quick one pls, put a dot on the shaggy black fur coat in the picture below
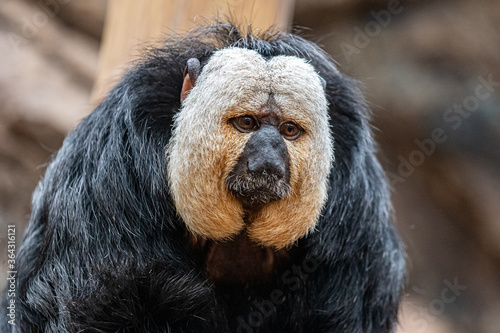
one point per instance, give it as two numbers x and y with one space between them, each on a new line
105 250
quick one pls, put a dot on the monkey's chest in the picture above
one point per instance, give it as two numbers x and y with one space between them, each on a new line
239 261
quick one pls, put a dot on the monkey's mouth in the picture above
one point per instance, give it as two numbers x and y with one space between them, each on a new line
256 190
240 260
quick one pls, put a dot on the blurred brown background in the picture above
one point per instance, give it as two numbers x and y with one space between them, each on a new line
430 72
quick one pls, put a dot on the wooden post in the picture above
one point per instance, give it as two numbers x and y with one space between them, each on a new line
131 25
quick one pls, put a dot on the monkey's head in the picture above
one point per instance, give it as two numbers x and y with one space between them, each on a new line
251 148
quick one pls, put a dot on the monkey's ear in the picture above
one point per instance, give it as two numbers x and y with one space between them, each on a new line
190 76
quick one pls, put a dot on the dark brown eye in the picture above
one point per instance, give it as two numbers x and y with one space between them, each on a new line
245 123
290 131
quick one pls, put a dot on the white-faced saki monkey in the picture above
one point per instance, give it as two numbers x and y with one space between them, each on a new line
228 184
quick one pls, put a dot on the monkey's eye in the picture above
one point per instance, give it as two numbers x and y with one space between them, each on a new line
290 130
245 123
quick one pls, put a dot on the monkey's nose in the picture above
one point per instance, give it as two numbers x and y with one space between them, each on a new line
267 153
263 165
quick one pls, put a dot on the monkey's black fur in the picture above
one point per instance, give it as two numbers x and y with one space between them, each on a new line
105 250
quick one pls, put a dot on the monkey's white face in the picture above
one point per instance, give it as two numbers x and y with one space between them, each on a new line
208 142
